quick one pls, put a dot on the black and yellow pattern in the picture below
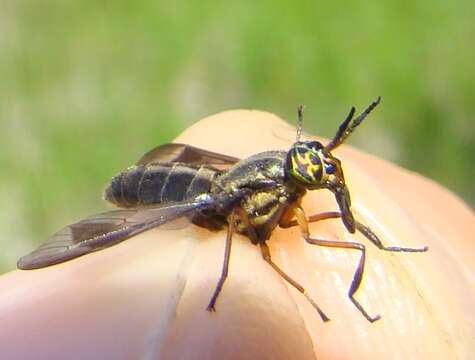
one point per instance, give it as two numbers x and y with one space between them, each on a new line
304 163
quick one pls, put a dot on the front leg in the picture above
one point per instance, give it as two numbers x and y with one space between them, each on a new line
358 275
287 222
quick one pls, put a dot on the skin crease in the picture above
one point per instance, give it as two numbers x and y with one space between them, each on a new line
145 298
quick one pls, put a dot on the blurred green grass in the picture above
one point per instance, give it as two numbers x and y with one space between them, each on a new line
86 87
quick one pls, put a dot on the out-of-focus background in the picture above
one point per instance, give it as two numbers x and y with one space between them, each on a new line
86 87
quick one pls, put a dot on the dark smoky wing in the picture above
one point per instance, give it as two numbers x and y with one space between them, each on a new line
187 154
103 230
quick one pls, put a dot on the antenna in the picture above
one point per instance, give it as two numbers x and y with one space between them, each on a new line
350 124
299 122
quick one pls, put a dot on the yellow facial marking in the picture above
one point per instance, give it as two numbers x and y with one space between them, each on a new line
304 168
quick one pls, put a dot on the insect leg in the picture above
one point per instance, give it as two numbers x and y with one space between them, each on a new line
224 270
365 230
314 218
371 236
267 257
358 275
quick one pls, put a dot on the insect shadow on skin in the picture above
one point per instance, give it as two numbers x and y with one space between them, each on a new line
250 196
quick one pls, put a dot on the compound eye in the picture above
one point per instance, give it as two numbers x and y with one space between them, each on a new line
315 145
330 168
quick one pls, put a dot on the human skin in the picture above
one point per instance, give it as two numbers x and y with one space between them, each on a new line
146 297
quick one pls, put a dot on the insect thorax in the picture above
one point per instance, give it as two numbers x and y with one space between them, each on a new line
264 209
259 186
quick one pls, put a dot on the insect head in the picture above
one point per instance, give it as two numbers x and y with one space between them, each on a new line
312 166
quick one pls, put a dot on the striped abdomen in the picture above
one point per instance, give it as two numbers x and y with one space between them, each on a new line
158 183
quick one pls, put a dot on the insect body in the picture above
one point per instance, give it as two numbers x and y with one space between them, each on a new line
250 196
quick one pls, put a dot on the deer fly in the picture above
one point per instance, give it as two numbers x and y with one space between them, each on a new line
250 196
